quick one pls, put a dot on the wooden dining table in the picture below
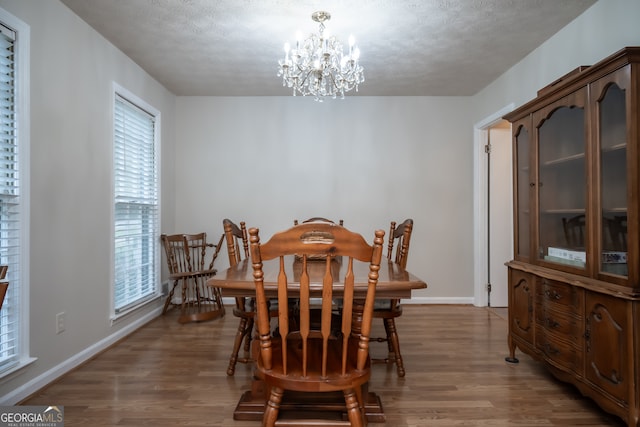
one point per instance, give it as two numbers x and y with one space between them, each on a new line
237 281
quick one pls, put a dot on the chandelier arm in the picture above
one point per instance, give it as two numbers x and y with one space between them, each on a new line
333 82
305 74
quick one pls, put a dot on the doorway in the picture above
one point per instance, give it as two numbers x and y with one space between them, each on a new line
494 215
500 212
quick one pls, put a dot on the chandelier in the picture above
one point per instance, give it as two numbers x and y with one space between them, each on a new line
318 66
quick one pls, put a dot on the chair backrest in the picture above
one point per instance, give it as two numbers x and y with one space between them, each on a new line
400 236
318 219
334 243
574 231
615 230
187 253
235 235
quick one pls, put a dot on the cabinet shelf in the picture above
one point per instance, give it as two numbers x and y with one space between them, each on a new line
615 147
568 211
562 160
615 210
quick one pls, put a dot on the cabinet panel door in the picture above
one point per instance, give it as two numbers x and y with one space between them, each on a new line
523 182
562 183
521 299
610 96
607 354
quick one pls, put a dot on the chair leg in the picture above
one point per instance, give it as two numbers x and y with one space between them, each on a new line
185 288
354 411
237 343
218 297
272 408
247 339
392 335
169 297
390 350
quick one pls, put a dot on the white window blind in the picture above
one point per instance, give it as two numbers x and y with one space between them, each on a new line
136 206
10 222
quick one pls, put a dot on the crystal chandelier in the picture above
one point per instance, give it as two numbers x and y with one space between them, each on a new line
317 66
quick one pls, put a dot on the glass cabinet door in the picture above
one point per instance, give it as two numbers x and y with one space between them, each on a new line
612 140
523 181
562 183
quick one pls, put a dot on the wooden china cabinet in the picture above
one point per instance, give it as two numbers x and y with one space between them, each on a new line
574 283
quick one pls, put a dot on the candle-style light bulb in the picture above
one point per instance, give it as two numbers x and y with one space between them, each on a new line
298 39
356 54
286 51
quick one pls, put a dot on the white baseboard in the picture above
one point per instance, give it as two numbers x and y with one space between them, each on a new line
439 300
56 372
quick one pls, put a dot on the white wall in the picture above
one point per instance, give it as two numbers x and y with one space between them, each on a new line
604 28
367 160
72 69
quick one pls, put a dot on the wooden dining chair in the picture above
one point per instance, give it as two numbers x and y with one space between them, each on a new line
304 359
238 249
186 260
389 309
237 241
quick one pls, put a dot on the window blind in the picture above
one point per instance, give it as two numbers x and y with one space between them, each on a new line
10 223
136 205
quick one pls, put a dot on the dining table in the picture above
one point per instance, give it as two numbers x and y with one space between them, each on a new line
237 281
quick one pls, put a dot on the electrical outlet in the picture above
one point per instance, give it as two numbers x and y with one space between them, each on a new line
60 323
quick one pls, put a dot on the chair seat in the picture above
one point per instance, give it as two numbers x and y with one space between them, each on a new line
314 381
382 304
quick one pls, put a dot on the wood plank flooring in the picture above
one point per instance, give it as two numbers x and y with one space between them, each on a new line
168 374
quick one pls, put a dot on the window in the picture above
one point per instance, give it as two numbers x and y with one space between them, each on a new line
136 206
14 147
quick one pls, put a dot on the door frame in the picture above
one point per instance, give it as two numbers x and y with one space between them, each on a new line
480 139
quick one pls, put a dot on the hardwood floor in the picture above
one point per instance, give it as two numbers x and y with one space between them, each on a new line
168 374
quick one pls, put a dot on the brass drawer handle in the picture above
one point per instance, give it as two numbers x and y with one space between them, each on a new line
552 323
552 294
552 351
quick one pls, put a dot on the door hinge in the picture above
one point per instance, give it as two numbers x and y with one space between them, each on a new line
487 148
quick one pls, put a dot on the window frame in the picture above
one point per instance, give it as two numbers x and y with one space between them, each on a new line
22 107
121 92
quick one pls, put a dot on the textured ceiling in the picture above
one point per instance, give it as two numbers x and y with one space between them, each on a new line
418 47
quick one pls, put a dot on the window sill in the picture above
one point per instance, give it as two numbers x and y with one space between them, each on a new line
120 316
16 367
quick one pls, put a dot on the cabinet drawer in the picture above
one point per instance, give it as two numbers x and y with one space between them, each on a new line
566 325
558 351
552 292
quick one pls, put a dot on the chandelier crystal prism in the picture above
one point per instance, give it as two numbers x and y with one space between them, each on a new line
318 66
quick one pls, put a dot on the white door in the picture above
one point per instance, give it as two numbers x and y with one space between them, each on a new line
500 214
